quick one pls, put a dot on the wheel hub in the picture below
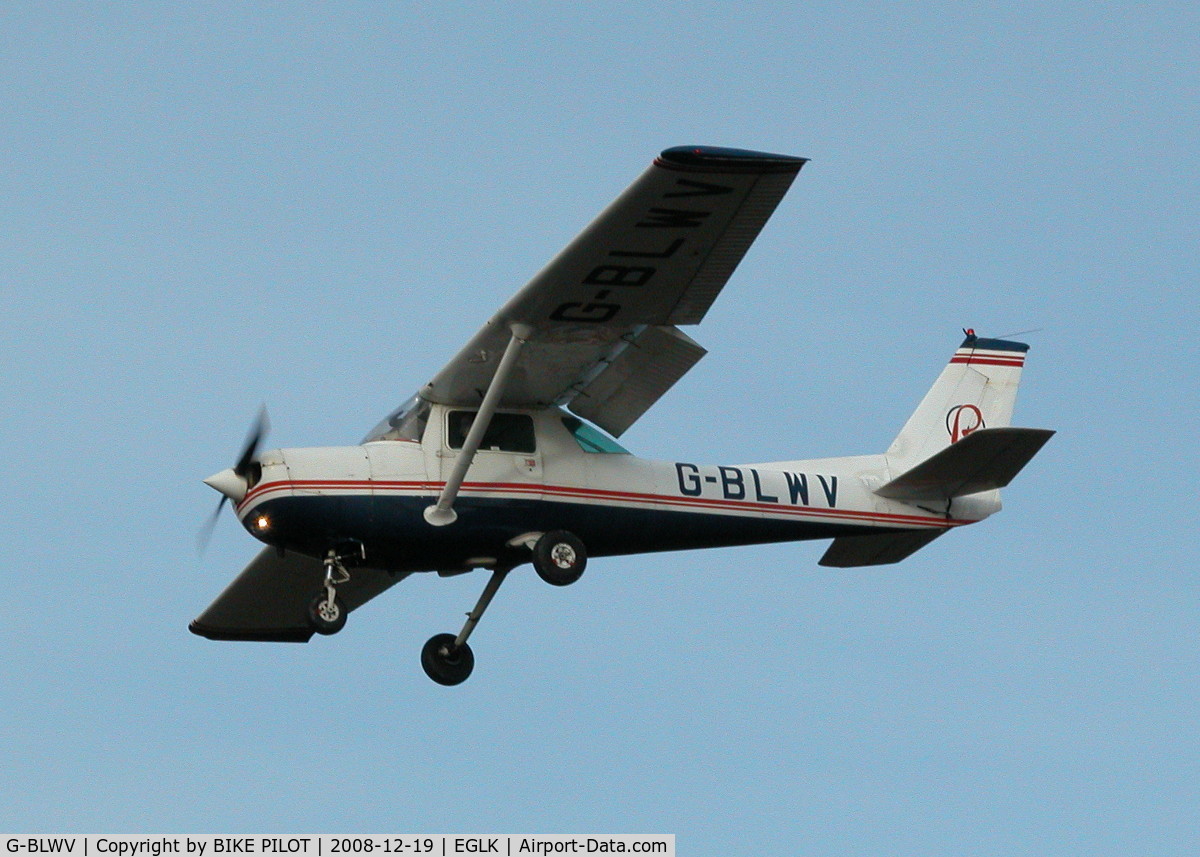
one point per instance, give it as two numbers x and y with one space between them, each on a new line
563 556
328 610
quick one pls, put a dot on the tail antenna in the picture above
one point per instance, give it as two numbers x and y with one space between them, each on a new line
1022 332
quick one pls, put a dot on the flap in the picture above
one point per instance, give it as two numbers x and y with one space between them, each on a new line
636 378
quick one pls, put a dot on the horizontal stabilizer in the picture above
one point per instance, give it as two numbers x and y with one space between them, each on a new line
881 549
981 461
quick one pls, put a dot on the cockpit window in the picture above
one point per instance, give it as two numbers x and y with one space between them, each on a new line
407 422
592 439
505 433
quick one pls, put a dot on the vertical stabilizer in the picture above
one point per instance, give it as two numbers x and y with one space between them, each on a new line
976 390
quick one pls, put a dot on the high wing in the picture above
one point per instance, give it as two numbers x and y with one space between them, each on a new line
269 600
604 312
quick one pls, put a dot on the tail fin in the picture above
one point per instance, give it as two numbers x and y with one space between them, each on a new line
958 442
976 390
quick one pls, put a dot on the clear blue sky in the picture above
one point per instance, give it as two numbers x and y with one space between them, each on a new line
207 208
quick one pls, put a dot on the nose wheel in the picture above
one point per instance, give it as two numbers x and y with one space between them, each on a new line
326 612
327 615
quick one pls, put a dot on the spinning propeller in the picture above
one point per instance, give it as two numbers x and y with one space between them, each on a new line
234 482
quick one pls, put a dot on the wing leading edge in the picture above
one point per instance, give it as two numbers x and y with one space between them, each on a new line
604 311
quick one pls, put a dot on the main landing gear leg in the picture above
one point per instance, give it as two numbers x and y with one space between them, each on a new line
448 659
326 612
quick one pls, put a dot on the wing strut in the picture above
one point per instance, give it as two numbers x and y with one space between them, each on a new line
442 513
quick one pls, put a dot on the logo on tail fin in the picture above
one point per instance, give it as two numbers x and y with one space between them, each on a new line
961 420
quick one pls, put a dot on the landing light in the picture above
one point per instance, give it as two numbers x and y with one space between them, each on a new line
262 523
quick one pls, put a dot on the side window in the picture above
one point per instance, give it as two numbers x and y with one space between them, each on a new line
506 433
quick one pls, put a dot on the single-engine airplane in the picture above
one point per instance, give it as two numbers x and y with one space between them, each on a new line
507 456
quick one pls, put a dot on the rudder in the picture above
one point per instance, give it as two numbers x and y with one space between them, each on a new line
976 390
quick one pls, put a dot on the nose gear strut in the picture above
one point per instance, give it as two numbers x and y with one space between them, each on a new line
326 612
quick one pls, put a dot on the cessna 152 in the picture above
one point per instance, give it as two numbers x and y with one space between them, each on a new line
492 464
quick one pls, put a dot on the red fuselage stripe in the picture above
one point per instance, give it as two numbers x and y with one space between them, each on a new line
577 493
990 361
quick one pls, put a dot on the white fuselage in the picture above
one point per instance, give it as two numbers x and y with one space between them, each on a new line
617 503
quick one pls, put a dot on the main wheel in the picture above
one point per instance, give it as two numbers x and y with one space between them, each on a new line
325 617
446 663
559 558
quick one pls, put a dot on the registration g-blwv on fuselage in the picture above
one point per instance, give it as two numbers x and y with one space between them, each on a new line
507 455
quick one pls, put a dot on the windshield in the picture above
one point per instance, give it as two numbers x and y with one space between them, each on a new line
407 422
591 439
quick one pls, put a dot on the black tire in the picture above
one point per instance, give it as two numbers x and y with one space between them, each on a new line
324 618
559 558
444 663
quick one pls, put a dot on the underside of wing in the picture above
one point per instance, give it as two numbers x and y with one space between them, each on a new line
657 257
269 600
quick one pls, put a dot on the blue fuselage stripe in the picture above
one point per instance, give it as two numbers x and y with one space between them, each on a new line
398 538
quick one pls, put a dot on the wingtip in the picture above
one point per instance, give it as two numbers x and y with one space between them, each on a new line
720 159
283 635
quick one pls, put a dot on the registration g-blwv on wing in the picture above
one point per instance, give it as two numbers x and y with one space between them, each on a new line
507 457
601 319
